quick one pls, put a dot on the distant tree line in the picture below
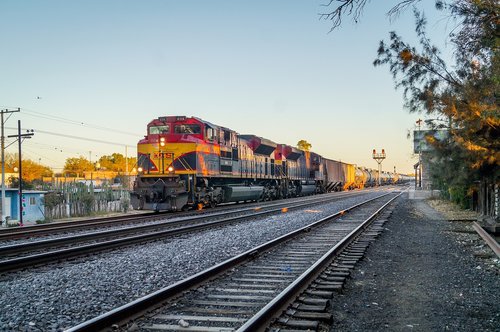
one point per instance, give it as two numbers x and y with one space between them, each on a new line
34 172
115 162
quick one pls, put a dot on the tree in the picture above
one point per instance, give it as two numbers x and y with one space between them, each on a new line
117 162
355 8
34 171
466 95
76 166
304 145
31 170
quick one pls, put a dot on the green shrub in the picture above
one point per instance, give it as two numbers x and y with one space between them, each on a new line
88 200
458 195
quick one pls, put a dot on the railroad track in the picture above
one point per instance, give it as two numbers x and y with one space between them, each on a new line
294 274
40 230
43 230
487 238
52 250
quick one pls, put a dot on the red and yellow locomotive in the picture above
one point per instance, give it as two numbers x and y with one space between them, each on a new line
186 161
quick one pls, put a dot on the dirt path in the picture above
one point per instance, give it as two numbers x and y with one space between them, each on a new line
421 275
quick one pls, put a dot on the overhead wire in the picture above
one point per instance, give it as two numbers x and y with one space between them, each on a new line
77 137
72 122
75 122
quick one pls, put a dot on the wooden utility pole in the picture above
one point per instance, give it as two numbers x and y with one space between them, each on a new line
2 112
19 140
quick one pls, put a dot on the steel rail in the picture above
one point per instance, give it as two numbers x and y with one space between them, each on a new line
47 257
24 231
43 244
139 306
490 241
263 318
43 229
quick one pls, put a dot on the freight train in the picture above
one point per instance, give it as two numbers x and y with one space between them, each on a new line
185 162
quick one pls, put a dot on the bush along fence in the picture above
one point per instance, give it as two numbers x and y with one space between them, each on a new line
80 200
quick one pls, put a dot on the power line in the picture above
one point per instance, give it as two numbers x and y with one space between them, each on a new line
74 122
80 138
53 148
39 155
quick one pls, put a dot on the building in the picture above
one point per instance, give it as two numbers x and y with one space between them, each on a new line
33 207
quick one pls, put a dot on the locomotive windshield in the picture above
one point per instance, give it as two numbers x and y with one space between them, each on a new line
187 129
165 129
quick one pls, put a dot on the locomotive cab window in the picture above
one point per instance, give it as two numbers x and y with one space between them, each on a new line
225 137
210 133
159 129
187 129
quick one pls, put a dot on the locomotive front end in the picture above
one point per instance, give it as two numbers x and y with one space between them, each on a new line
165 193
166 162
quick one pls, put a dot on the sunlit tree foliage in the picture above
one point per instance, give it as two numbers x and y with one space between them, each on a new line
465 94
304 145
76 166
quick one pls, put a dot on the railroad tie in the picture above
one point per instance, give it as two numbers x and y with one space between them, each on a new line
340 269
302 324
319 307
332 273
321 293
328 286
219 311
349 253
332 278
321 316
165 327
314 301
343 266
355 252
189 318
348 261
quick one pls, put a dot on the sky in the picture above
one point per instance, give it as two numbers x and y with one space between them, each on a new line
89 75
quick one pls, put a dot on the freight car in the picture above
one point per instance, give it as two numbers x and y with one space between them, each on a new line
187 162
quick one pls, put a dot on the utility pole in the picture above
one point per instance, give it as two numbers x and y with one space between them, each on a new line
3 112
19 140
127 176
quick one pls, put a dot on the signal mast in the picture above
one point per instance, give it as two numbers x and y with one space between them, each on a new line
379 157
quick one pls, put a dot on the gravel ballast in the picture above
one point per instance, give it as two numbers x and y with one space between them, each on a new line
420 275
397 287
59 296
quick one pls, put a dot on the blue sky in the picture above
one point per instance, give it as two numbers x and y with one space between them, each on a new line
271 68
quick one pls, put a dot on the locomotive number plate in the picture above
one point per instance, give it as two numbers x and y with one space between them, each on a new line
164 154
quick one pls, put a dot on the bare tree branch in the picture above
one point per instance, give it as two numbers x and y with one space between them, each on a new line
400 7
343 8
355 9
